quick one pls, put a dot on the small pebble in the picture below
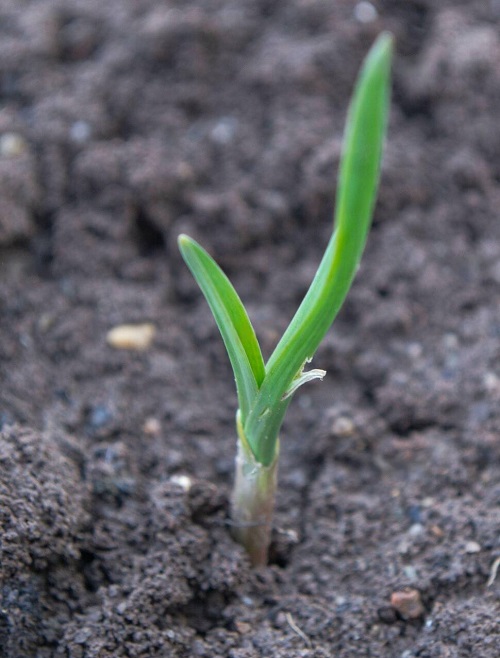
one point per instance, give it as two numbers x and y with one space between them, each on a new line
415 350
242 627
410 572
121 607
152 426
450 341
491 382
343 426
12 144
365 12
291 535
80 132
182 481
224 130
46 321
416 529
408 603
472 547
131 336
99 416
437 531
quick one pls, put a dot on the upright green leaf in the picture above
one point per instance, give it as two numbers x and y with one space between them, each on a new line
356 193
232 320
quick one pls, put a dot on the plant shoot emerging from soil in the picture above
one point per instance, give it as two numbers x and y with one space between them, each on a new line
266 389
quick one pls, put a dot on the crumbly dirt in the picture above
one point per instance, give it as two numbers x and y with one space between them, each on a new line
123 124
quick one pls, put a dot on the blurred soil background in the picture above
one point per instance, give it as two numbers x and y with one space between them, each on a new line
124 123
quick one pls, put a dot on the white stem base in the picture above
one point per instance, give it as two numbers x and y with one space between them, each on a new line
253 502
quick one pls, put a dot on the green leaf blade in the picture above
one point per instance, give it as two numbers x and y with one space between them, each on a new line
356 193
363 144
232 320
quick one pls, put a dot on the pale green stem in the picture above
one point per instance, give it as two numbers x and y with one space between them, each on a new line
253 500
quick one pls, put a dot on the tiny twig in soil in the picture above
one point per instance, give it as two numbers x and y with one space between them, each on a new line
493 573
296 629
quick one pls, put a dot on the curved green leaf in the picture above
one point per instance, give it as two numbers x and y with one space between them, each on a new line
232 320
356 193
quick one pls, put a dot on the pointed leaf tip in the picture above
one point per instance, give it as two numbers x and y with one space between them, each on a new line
183 241
358 178
231 318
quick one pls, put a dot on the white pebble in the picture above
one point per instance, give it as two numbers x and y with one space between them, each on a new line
12 144
224 130
416 529
365 12
183 481
472 547
80 132
131 336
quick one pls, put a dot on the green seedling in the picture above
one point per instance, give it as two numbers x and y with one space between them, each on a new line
265 389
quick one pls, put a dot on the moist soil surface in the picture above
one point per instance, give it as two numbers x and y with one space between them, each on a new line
123 124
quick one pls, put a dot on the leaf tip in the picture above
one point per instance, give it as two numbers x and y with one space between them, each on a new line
382 50
183 241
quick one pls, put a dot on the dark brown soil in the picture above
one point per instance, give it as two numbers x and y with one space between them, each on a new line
123 124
